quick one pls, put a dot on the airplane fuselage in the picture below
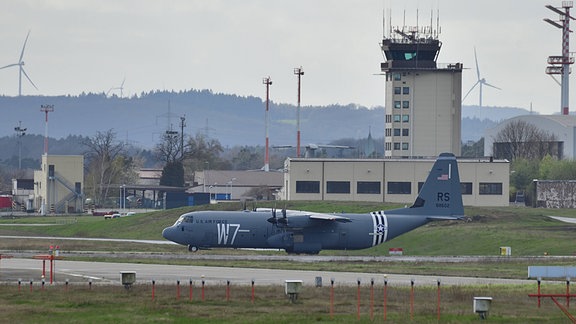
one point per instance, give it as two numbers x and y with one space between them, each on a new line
440 198
300 233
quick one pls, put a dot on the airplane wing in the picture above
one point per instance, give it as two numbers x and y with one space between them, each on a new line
329 217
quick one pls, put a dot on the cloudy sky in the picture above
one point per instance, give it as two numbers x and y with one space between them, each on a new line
228 46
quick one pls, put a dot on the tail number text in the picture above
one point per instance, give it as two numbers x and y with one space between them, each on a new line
443 200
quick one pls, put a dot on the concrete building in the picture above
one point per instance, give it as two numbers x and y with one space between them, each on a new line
562 126
238 185
59 184
484 181
423 99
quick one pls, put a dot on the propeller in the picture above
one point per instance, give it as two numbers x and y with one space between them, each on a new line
273 219
284 219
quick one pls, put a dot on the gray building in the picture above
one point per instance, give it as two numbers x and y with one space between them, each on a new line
562 126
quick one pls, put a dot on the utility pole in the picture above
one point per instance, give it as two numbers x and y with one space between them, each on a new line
20 132
46 109
268 82
299 72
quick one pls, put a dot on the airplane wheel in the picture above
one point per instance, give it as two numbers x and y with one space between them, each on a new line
192 248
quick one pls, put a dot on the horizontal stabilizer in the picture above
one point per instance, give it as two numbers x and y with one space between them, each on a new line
445 217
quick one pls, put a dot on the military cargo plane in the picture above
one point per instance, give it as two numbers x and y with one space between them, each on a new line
309 232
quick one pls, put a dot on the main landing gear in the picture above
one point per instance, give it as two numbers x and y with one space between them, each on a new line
192 248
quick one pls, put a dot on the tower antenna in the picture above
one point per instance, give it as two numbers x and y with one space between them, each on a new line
561 64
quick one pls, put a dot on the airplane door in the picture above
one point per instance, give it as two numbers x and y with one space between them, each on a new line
343 240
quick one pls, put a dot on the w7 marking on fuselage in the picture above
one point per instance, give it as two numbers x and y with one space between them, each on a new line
224 233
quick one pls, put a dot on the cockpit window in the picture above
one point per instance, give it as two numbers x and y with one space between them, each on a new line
188 219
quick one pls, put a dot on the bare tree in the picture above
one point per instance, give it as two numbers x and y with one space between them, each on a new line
105 163
520 139
170 150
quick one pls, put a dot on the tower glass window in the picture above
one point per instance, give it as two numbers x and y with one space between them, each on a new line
397 90
397 118
405 90
405 104
405 132
405 118
396 131
397 104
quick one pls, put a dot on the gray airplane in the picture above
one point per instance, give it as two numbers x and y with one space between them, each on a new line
308 232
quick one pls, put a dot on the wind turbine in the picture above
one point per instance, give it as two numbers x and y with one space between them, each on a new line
20 64
121 88
481 81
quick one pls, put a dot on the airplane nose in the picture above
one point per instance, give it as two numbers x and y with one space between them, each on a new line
166 233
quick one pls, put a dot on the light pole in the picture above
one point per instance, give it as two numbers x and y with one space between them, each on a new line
20 132
46 109
230 185
268 82
299 72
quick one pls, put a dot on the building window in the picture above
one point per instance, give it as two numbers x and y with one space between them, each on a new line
396 118
388 118
397 104
405 132
466 188
404 146
490 188
368 187
396 131
405 104
307 186
405 90
338 187
405 118
396 146
388 132
397 90
399 188
397 76
388 146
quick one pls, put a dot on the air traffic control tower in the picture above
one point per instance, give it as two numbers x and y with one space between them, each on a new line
423 98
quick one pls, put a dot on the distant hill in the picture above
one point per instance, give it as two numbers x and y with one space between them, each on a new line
232 119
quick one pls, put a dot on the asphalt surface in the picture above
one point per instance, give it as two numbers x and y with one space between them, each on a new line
22 266
27 269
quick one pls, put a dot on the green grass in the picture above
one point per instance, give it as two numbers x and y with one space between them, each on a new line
113 304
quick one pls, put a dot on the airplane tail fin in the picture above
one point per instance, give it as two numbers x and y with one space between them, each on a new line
441 195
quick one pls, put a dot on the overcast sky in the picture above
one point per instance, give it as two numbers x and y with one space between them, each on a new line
80 46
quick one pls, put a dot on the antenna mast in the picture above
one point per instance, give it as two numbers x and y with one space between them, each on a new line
561 64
